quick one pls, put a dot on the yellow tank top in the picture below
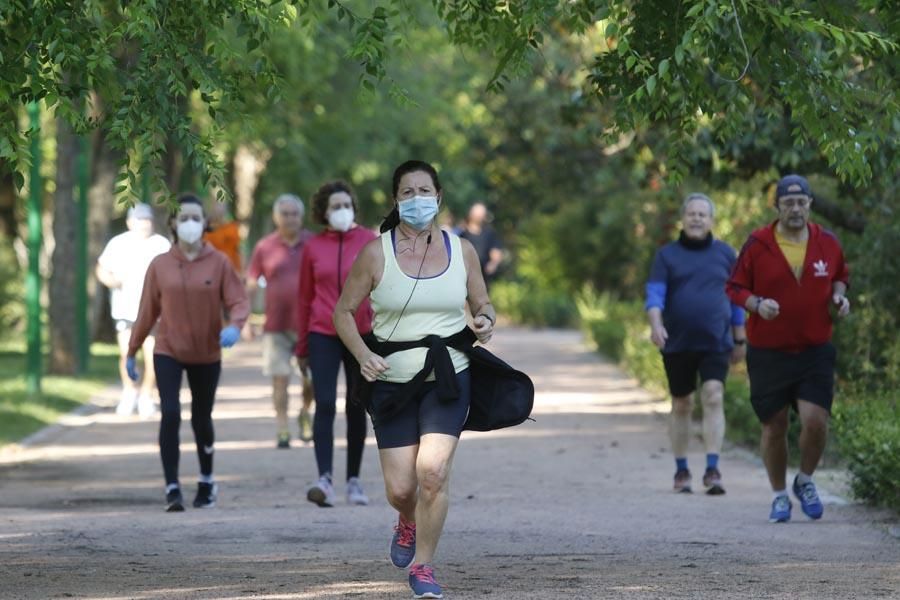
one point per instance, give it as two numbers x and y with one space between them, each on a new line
794 252
437 306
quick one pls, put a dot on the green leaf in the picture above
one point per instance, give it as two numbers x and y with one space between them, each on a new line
651 85
663 68
611 30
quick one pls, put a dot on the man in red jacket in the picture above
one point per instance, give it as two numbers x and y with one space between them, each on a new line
786 275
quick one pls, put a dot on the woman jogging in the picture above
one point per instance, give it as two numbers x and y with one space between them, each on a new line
324 267
187 290
419 280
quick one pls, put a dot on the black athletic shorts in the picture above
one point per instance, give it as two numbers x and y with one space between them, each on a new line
779 379
682 369
424 414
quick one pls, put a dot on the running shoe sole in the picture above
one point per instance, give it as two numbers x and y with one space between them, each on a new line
175 507
716 489
317 496
428 595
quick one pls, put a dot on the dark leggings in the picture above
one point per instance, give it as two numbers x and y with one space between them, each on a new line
203 380
326 352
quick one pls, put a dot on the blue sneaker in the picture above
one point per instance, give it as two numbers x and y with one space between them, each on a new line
809 499
421 580
403 545
781 510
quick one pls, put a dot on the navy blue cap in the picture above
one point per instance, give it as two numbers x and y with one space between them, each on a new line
792 184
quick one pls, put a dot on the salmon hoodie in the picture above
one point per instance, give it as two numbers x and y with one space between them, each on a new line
189 299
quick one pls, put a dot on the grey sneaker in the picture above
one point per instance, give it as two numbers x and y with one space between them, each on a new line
355 494
322 492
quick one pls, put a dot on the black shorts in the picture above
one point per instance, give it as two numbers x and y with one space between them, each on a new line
424 414
778 379
682 369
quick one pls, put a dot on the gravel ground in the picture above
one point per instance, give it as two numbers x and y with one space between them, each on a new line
576 503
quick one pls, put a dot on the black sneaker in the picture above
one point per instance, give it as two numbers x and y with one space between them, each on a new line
682 481
206 495
174 501
712 481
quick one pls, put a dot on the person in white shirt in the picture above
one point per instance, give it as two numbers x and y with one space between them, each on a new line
121 267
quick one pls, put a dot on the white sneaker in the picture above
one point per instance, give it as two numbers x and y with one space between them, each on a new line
355 494
146 406
322 492
127 403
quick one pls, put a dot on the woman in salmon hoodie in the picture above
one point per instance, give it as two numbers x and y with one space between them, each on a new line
324 268
187 291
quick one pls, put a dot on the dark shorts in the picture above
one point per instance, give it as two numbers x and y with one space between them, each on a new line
424 414
778 379
682 369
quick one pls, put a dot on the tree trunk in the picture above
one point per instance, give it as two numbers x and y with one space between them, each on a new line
64 359
248 167
8 223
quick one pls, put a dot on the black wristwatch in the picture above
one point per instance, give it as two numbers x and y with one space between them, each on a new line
740 342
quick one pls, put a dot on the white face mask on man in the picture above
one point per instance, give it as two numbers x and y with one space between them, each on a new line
189 231
341 219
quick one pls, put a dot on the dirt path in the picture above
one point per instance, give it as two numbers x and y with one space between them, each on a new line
574 504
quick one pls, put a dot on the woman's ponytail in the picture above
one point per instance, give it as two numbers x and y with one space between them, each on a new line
391 220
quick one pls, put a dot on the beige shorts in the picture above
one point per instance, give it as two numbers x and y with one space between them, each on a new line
278 353
123 337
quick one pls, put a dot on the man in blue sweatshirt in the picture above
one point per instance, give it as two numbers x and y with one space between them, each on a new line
698 331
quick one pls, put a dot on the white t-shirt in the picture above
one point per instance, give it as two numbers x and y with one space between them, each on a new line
127 256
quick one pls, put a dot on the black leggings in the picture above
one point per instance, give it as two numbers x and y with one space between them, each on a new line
326 352
203 380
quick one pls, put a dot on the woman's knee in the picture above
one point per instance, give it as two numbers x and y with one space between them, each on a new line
170 413
400 494
433 477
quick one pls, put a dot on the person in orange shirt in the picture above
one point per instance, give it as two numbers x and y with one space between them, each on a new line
224 234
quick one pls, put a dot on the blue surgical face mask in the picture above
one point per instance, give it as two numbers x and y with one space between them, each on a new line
419 211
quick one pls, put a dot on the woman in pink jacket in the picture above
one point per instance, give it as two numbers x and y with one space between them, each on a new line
324 268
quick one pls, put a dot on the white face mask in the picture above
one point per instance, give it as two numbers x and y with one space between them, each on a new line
189 231
341 219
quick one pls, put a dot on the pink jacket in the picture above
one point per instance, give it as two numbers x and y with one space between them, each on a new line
324 268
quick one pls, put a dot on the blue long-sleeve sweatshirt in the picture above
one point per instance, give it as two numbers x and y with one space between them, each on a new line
687 282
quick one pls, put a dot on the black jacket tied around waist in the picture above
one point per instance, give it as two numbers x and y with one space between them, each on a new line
500 396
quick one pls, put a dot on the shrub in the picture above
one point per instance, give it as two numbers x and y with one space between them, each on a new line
530 305
867 430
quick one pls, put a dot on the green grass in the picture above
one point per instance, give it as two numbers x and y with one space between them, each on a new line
22 413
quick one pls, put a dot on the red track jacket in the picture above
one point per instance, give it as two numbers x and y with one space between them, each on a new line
761 269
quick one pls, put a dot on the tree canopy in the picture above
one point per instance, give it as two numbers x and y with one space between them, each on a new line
713 70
